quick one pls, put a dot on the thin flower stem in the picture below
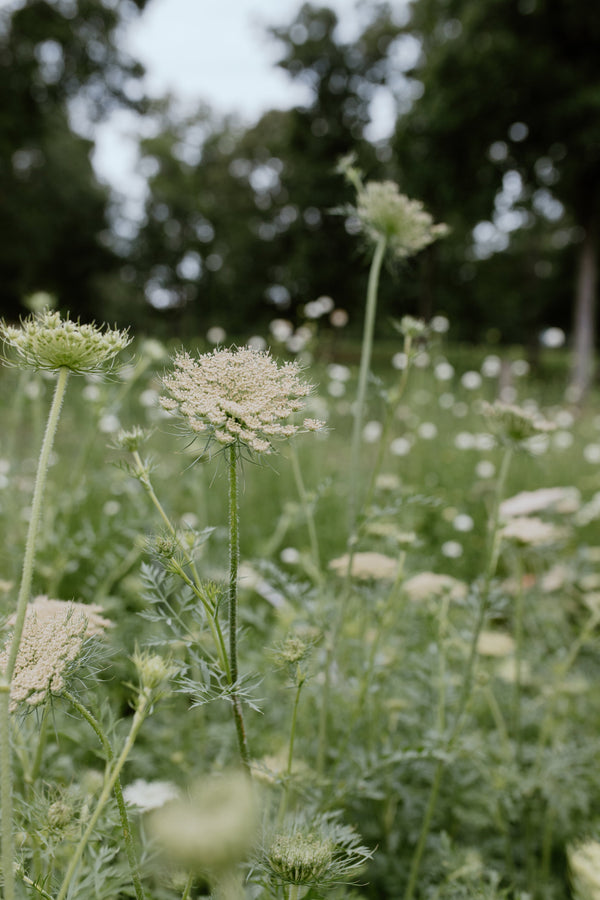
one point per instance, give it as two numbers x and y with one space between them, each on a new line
467 685
109 784
308 514
188 887
234 562
125 826
363 376
35 518
21 612
194 583
290 759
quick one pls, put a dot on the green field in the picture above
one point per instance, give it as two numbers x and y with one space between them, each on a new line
451 723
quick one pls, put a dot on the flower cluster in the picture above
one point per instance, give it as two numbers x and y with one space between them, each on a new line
386 213
45 341
366 565
584 865
238 396
53 636
514 424
320 853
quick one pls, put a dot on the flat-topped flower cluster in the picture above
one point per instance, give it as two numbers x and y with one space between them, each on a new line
46 341
53 636
239 395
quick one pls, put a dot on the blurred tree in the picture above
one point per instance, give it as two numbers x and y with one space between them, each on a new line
59 62
504 143
239 224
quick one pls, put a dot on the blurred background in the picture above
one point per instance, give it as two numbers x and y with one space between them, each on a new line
171 164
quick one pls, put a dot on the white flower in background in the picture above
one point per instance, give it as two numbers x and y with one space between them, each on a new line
485 469
533 531
451 549
439 324
552 338
290 556
366 566
430 584
491 366
558 499
372 432
147 795
471 381
427 430
495 643
463 522
519 368
584 865
400 446
216 335
591 453
399 361
443 371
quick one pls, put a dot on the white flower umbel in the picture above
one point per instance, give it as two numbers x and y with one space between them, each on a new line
53 637
238 396
584 865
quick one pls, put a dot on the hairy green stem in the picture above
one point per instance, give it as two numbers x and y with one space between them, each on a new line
125 827
6 787
109 785
188 887
363 376
234 562
194 582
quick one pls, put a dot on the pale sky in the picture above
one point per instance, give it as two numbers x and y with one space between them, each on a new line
214 51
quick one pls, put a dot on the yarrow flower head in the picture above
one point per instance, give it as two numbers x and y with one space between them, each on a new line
53 637
45 341
238 396
584 865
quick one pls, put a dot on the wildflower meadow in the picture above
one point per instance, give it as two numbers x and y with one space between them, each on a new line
284 619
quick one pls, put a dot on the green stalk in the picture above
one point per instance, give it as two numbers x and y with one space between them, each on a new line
492 562
21 612
194 582
363 375
109 786
188 887
125 827
290 759
234 562
308 514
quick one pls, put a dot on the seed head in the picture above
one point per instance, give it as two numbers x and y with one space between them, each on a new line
53 636
237 396
44 341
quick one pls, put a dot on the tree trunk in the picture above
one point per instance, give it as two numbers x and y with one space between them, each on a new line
584 319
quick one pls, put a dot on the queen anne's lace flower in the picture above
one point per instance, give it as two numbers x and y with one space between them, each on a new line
45 341
384 212
238 395
53 636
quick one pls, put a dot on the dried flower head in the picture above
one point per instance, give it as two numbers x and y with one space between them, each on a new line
513 424
45 341
384 212
53 636
237 396
584 863
558 499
